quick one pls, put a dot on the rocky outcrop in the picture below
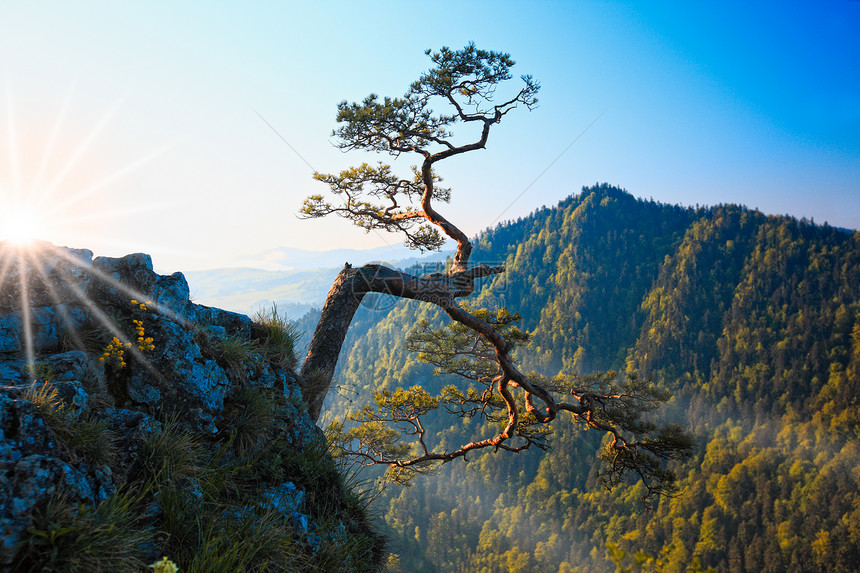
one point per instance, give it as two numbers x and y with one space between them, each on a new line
107 349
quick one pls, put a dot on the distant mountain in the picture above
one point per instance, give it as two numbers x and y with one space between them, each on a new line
752 321
250 290
294 279
289 258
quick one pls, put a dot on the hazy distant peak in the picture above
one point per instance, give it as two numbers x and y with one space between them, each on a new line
290 258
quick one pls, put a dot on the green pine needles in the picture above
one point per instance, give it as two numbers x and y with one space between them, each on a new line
394 430
514 409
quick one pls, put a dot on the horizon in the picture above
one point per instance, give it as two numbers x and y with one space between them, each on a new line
189 132
266 261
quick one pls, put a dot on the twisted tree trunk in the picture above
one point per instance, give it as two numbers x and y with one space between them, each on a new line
343 300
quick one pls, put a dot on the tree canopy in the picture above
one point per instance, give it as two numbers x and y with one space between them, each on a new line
479 344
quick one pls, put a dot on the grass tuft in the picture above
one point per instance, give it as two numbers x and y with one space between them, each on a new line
41 371
253 541
81 435
169 456
279 336
74 538
233 352
251 419
48 403
90 438
89 337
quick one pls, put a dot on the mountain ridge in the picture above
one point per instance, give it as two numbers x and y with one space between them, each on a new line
752 320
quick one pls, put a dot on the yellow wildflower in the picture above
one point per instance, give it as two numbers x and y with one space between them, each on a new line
164 565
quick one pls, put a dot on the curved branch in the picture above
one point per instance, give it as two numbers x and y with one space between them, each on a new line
343 300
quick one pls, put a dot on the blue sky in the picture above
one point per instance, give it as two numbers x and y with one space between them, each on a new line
134 126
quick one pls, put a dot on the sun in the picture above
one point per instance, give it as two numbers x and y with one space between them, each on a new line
21 227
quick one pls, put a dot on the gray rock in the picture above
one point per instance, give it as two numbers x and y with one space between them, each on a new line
44 277
72 365
62 298
24 431
11 327
130 428
30 481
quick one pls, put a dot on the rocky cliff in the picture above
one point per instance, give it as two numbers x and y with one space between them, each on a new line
137 425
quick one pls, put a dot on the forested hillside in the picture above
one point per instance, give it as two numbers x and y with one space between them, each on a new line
752 321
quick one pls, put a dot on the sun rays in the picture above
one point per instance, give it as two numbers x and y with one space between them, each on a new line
62 178
22 226
43 299
53 187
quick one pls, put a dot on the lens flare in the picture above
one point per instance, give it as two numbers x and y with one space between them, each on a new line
21 227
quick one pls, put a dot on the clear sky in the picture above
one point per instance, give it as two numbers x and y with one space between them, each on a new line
136 126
